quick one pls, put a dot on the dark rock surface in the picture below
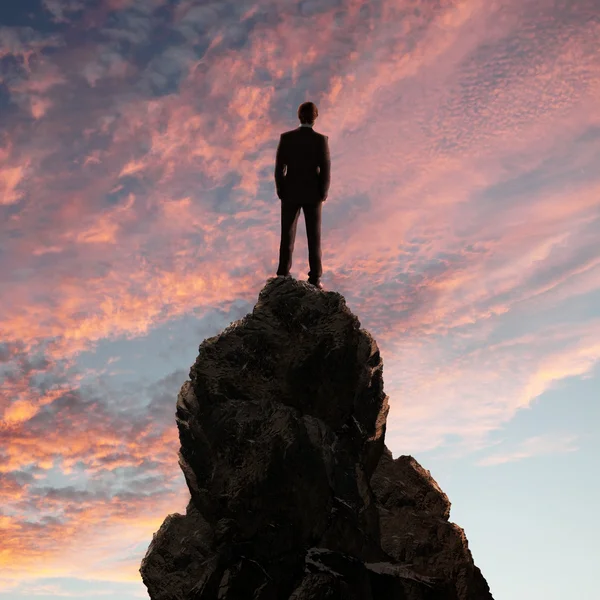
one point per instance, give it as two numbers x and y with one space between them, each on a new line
293 492
413 516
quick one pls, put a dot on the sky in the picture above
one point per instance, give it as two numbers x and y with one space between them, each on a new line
138 216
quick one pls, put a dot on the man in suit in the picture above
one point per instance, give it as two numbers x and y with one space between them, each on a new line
304 154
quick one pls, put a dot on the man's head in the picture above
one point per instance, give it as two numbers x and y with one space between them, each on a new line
307 113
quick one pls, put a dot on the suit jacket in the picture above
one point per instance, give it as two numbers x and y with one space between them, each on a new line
304 154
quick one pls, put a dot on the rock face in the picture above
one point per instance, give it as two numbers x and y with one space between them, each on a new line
413 517
294 495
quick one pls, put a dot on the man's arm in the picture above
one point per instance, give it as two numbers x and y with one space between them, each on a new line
279 164
324 169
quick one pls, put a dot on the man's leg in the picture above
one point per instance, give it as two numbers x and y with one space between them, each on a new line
289 221
312 218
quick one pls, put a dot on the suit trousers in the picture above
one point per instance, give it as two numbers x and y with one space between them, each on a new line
290 211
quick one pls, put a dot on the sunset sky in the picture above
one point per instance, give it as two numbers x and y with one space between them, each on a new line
138 216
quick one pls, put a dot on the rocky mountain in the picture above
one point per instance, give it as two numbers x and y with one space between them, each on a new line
294 495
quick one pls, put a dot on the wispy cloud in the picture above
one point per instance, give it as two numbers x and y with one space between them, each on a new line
541 445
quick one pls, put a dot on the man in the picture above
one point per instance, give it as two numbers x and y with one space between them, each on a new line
304 185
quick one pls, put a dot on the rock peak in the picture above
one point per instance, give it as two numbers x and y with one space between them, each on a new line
293 493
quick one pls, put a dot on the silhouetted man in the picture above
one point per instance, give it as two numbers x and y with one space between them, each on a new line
305 184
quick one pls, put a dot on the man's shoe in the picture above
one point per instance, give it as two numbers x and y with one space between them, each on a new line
317 284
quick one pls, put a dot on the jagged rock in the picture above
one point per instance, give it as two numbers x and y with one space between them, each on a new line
413 513
282 428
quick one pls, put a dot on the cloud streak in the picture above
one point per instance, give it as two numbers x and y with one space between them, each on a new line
532 447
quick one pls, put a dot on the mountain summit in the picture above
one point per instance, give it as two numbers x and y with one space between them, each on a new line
294 495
